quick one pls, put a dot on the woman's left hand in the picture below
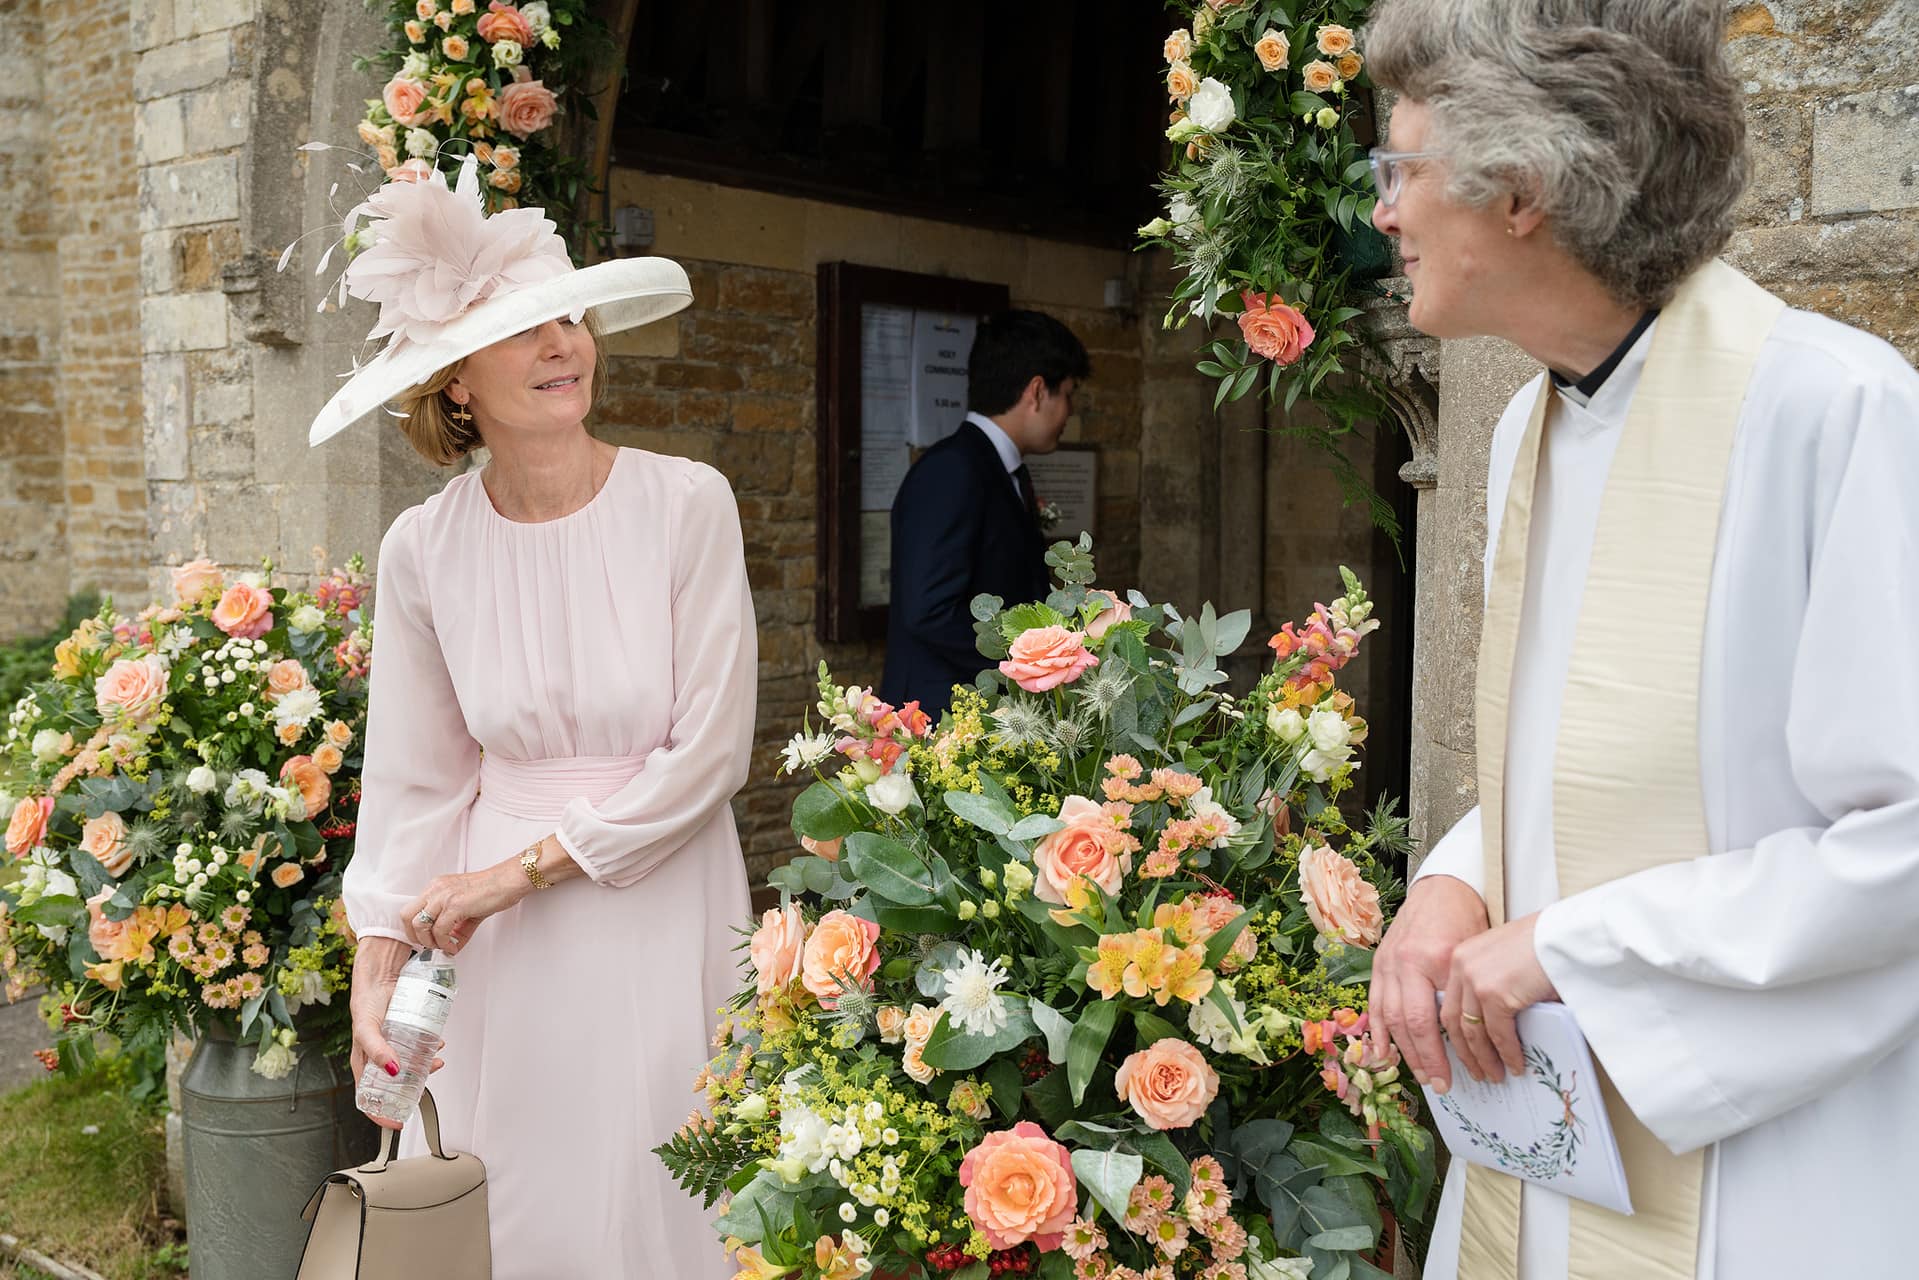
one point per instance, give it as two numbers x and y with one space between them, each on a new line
457 905
1494 975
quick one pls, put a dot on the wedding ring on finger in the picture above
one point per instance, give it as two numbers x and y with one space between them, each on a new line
1471 1019
424 918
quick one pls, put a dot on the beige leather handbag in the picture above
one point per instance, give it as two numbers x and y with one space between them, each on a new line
422 1218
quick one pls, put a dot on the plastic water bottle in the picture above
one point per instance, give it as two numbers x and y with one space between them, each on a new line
415 1018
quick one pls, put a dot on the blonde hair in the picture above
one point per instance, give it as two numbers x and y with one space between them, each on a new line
429 423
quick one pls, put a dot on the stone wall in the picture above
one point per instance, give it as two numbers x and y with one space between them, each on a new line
1831 224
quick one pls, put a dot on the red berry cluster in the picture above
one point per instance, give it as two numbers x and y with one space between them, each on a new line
946 1258
1012 1262
1034 1066
48 1059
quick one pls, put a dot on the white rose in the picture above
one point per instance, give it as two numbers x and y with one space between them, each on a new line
507 53
308 618
202 780
1211 106
1286 724
415 67
1328 729
1184 215
538 16
275 1061
893 794
1321 765
50 745
54 933
422 144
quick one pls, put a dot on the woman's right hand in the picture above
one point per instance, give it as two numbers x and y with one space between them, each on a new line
1411 967
376 971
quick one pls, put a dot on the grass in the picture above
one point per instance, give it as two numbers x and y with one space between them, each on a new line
90 1198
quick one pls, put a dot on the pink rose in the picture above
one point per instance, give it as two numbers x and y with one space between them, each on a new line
1019 1187
776 947
244 612
403 96
284 676
105 935
840 948
1169 1083
105 837
1047 657
1091 844
1273 329
132 690
1340 901
28 825
415 170
1115 612
505 22
195 580
526 105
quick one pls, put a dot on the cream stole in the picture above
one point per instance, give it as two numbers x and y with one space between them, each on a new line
1624 801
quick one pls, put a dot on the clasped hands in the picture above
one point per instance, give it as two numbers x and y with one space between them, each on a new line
445 916
1440 941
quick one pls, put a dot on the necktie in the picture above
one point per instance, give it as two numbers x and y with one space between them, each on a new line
1024 479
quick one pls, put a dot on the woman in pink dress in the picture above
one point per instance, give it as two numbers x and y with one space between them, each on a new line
562 708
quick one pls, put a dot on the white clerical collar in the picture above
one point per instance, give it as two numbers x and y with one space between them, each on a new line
1002 443
1607 405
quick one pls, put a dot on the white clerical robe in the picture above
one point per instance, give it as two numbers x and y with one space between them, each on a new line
1762 1002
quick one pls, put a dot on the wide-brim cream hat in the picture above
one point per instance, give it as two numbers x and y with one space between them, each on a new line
451 280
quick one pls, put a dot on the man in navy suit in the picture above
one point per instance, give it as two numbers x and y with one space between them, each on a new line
965 520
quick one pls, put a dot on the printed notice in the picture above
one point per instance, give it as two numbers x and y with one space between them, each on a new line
886 402
942 343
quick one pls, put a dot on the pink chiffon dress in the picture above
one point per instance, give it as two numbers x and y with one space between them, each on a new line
592 676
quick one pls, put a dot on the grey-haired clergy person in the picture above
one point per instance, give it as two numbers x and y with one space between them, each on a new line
1698 684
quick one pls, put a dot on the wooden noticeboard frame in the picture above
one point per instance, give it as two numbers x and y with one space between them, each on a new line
845 289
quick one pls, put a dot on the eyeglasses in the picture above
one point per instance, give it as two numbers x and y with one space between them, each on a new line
1389 173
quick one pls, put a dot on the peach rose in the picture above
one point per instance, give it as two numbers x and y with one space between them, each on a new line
455 48
328 757
28 825
416 32
105 837
1340 901
507 180
105 935
1019 1187
1089 845
1320 76
916 1029
1335 39
1273 329
1047 657
1273 50
1169 1083
828 849
403 96
196 579
841 947
1349 65
310 780
776 947
526 105
338 733
285 676
505 158
504 22
1179 46
443 20
425 9
244 612
1181 83
288 734
462 7
1115 612
133 689
890 1022
287 874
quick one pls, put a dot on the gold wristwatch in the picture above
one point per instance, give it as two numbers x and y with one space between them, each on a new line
530 863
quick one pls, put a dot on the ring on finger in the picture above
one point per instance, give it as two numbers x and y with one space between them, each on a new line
424 918
1472 1019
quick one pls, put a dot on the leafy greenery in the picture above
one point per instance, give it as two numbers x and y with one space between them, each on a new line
28 659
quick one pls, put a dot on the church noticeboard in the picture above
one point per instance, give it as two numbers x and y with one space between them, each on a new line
892 380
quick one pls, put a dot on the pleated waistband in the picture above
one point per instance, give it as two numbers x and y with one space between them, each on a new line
543 788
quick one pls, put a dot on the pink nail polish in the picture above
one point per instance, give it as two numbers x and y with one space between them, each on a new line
393 1068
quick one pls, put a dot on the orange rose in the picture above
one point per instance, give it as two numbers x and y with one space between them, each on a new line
1169 1083
1340 901
1019 1187
505 22
1089 845
1335 39
311 781
415 33
840 948
455 48
287 874
1046 657
1273 50
244 612
526 105
1273 329
403 96
828 849
505 158
328 757
105 837
107 936
28 825
196 579
1349 65
133 690
916 1029
338 733
1181 83
462 7
288 734
285 676
1320 76
507 180
776 947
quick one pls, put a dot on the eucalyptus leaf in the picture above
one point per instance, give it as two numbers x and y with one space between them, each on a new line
889 869
951 1049
1110 1176
981 811
1085 1045
1055 1026
1034 826
824 811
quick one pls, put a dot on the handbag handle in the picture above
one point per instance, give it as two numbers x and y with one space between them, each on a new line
429 1120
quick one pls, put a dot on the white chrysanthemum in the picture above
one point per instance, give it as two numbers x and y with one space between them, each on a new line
298 707
805 752
972 998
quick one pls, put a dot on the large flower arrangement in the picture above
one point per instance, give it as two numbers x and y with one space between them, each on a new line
1268 193
1070 984
487 78
186 781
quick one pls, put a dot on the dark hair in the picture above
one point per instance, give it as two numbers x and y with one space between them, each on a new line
1012 348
